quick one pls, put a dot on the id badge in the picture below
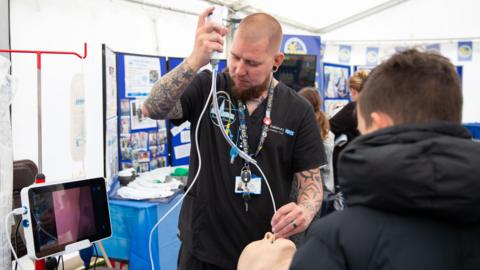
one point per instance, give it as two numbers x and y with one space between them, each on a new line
254 186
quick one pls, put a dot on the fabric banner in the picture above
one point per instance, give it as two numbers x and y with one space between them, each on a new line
344 53
465 50
371 56
322 50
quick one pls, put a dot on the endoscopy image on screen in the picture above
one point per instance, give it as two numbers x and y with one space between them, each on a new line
74 217
65 216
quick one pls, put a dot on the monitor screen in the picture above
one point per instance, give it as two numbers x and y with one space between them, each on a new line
297 71
67 213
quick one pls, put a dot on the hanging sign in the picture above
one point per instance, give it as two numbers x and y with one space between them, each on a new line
465 51
344 53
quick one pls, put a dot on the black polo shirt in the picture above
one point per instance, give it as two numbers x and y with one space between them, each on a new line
214 225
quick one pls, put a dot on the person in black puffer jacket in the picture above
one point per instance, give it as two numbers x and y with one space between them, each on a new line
411 181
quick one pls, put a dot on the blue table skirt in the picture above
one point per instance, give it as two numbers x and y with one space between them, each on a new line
474 128
131 225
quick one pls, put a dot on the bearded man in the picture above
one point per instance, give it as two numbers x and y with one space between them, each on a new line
264 117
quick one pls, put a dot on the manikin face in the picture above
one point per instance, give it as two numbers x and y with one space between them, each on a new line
250 64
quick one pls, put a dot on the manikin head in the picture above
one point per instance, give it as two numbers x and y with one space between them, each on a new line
254 54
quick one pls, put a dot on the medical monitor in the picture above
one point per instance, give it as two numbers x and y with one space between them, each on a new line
65 216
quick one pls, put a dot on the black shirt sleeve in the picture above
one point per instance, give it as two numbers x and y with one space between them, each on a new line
194 97
345 122
309 152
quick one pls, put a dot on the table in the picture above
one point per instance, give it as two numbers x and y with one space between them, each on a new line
474 128
131 225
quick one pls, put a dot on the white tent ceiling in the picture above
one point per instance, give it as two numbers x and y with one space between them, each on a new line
355 20
311 16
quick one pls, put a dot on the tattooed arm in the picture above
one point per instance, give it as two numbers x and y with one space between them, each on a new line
310 191
164 99
294 218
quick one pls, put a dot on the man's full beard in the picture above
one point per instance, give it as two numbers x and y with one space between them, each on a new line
249 93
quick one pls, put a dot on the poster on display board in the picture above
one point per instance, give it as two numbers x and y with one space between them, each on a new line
110 83
137 119
110 119
141 73
111 155
143 143
335 79
332 106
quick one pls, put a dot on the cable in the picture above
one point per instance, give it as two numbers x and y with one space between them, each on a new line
189 188
16 246
58 262
96 256
242 154
18 211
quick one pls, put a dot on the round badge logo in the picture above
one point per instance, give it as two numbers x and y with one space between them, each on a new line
372 57
295 46
344 55
465 51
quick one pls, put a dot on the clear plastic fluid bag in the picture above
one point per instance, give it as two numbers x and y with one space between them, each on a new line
7 92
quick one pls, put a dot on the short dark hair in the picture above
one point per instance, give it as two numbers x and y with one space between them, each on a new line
413 87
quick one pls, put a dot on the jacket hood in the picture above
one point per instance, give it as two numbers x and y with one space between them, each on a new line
416 169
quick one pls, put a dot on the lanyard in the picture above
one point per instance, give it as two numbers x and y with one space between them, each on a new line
246 174
267 121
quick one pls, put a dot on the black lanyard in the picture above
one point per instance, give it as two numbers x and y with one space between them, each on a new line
267 121
246 174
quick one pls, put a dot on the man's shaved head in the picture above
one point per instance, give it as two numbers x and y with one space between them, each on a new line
258 26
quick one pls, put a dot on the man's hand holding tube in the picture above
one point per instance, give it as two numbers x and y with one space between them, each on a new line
291 219
208 38
163 101
294 218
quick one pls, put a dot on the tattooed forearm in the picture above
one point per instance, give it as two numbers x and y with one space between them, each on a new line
164 99
310 191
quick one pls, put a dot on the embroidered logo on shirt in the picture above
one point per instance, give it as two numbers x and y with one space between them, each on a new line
281 131
289 132
226 108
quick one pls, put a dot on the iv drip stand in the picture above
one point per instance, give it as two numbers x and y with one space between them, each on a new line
40 177
39 96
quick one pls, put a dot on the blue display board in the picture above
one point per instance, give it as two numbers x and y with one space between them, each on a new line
143 142
335 83
177 138
335 89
